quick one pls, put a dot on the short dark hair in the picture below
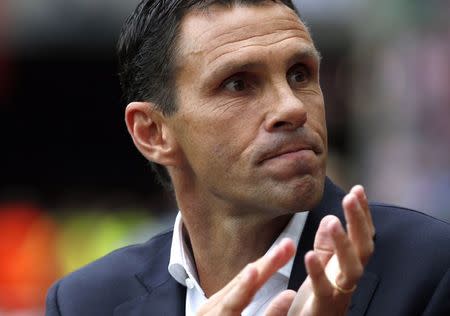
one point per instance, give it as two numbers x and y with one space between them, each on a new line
147 53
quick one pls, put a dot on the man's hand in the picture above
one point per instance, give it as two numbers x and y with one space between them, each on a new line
334 268
336 263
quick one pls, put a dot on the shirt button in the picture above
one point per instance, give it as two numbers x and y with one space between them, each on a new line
189 284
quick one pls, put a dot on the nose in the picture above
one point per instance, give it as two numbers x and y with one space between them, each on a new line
287 114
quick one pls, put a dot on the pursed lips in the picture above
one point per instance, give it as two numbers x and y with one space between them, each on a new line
288 149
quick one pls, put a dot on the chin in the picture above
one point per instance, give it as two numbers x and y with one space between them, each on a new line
300 194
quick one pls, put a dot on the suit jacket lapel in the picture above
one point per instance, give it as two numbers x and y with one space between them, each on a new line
165 295
167 299
330 205
367 286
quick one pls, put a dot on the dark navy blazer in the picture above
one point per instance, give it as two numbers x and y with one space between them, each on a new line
408 274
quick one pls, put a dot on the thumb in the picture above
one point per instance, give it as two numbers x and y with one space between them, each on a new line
281 304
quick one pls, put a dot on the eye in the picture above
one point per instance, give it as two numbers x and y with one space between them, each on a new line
235 84
298 74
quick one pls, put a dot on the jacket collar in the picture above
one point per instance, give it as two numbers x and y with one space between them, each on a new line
165 296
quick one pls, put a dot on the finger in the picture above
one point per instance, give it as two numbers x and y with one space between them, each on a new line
349 263
321 285
327 299
274 260
323 243
240 295
239 292
358 228
281 304
359 191
316 283
235 282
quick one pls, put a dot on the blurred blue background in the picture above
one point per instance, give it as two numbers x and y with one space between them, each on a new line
72 186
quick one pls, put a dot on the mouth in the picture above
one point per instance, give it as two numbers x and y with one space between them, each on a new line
290 152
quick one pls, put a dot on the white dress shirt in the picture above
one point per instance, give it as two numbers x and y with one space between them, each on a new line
182 269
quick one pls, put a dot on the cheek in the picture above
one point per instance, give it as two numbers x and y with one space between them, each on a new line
229 139
213 141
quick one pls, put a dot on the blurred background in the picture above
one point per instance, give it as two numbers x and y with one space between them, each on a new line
73 187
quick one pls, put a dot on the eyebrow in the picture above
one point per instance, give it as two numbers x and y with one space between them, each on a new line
235 66
308 53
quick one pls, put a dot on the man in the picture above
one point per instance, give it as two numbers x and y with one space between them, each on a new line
225 100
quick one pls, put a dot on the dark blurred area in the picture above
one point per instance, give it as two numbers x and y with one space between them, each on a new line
73 187
63 130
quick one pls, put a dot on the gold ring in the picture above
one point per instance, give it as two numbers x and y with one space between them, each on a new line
332 271
342 290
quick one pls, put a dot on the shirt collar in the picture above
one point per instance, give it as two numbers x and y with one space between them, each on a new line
293 231
181 264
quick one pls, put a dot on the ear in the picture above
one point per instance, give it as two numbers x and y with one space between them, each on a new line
151 135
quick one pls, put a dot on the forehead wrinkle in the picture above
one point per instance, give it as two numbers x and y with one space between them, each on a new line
231 27
250 30
215 14
214 58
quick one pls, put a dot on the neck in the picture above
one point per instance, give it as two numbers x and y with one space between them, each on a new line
222 244
223 236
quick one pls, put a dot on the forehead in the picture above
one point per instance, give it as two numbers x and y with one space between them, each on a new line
212 34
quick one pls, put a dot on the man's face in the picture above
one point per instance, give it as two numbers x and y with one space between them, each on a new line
250 123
